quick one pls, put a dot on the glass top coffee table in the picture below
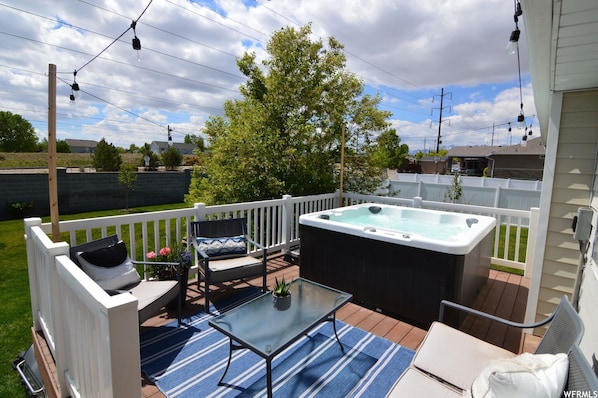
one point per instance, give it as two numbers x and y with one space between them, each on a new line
261 328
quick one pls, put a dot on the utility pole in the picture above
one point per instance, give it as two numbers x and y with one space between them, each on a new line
170 143
438 140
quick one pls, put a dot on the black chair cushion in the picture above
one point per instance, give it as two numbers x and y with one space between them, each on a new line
109 256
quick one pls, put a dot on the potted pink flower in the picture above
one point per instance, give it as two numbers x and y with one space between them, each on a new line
179 255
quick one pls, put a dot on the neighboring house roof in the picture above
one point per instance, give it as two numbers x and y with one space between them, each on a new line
472 151
81 143
534 147
182 147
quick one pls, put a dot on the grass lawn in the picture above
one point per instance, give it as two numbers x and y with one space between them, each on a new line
15 316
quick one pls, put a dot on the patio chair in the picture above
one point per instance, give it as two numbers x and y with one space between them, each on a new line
223 253
453 358
107 262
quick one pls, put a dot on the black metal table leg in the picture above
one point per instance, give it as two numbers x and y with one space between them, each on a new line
269 377
333 320
230 354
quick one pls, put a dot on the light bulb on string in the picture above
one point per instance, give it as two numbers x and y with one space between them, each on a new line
513 42
75 90
521 118
136 42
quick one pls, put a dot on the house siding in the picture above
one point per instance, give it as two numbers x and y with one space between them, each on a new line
574 172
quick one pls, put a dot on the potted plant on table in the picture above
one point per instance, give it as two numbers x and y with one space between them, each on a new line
179 254
281 296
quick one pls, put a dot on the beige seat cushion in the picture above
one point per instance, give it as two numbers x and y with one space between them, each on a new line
235 268
234 262
454 356
415 384
152 296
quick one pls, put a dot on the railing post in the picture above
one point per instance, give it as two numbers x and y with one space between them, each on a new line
337 198
497 196
417 202
532 236
287 213
200 211
33 285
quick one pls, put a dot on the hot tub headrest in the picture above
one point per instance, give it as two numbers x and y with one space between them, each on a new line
471 221
375 209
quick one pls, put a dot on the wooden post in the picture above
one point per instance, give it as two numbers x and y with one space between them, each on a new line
52 175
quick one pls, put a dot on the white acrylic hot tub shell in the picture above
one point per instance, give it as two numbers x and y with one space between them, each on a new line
459 245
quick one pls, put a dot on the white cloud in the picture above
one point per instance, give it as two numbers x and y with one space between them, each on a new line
408 50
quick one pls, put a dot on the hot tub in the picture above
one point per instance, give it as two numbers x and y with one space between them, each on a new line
397 260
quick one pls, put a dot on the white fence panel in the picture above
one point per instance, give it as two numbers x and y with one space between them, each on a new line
478 191
93 337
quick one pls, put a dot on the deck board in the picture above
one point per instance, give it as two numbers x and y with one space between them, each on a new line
503 295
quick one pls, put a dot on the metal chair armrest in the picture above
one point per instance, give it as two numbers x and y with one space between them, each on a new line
158 263
254 243
447 303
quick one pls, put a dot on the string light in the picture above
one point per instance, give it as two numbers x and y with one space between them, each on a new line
513 44
75 90
136 42
136 46
512 48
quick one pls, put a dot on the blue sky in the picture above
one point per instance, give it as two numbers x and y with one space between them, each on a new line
404 51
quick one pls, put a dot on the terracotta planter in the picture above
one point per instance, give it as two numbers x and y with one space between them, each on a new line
281 303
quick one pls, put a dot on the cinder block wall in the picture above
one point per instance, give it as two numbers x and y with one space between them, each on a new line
81 192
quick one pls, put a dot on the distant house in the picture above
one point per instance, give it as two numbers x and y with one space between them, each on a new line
81 146
434 164
520 162
161 146
471 160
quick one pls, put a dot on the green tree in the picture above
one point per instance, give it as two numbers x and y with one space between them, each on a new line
195 140
390 153
455 190
172 158
16 134
284 135
127 177
61 146
106 157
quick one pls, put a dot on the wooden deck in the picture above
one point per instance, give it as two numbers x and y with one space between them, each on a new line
504 295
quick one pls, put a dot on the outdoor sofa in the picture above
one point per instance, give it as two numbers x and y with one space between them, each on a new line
107 262
451 363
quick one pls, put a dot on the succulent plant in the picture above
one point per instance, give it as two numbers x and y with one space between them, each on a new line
281 288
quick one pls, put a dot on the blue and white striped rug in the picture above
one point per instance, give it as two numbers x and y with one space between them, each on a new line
188 362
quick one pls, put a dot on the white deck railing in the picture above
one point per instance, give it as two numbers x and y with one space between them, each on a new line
94 337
